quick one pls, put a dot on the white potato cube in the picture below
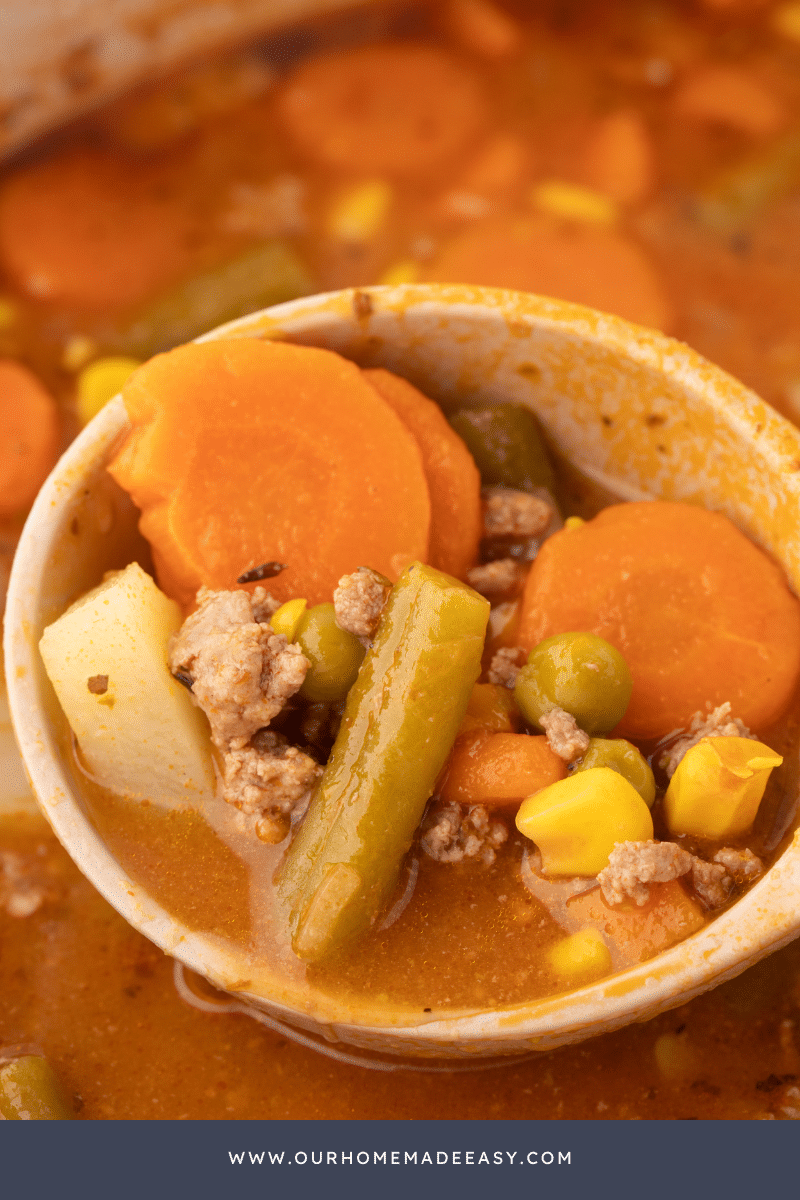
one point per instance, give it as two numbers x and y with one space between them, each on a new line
138 731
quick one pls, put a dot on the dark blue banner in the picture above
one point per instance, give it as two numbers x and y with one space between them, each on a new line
130 1160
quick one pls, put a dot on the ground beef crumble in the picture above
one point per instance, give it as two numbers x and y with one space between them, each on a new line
511 514
505 665
358 602
452 832
263 604
742 865
634 865
25 886
717 723
269 780
563 735
711 882
242 672
497 578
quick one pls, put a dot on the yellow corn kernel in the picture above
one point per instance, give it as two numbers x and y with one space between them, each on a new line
674 1056
101 381
575 203
577 822
574 522
406 271
785 20
490 707
582 955
359 213
717 787
288 617
78 351
8 312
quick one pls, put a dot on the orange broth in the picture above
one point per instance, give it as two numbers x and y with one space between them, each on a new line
99 999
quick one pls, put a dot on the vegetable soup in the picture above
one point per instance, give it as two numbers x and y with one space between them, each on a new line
508 814
639 160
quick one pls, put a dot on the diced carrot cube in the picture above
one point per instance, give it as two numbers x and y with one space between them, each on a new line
491 708
499 769
638 933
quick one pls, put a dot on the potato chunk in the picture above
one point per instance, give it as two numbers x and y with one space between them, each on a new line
138 731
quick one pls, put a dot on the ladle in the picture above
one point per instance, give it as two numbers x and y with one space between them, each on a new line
637 412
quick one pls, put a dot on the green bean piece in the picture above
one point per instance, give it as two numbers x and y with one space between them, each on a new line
625 759
580 673
736 197
335 655
400 720
30 1091
267 274
505 441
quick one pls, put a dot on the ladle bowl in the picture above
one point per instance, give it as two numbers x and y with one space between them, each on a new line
635 411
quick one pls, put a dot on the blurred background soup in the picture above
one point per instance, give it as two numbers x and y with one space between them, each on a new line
641 158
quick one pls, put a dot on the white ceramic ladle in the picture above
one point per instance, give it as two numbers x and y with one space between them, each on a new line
596 383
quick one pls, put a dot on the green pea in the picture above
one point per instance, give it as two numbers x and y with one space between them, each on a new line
580 673
334 654
625 759
507 446
30 1091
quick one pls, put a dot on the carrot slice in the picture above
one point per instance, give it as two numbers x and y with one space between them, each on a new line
491 709
592 266
701 615
731 96
497 167
499 769
29 436
399 109
619 159
482 28
453 479
639 933
245 452
85 228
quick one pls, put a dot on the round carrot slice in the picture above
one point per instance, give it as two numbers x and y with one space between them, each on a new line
453 479
597 267
701 615
85 228
247 452
399 109
29 436
619 159
730 96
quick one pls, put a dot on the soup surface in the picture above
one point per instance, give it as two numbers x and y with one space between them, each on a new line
476 926
642 159
127 1047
